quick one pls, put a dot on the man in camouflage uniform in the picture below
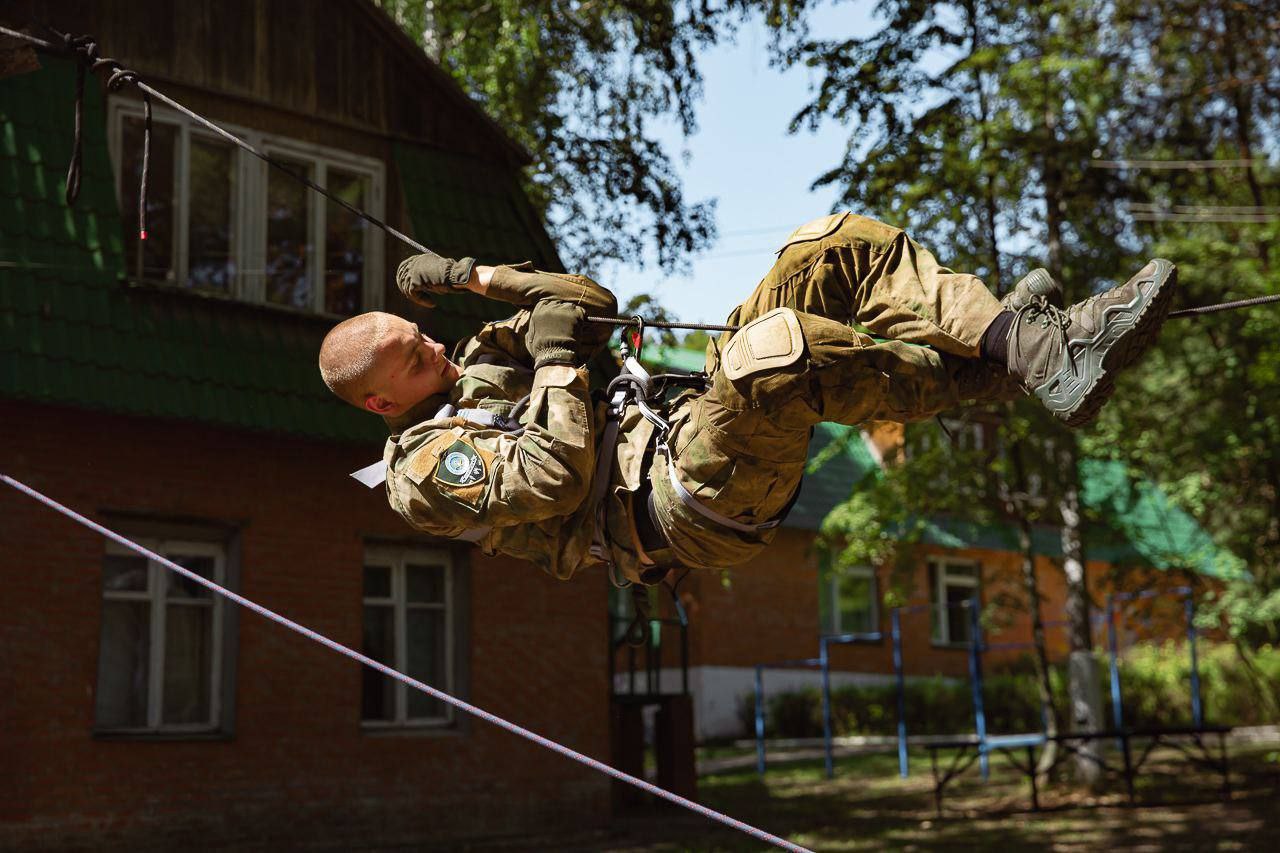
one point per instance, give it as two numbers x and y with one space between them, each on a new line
711 492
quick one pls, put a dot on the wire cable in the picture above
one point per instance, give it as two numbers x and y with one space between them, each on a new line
85 49
515 729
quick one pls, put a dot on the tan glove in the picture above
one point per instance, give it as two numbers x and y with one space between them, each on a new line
420 276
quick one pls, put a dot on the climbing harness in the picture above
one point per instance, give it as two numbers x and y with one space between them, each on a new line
436 693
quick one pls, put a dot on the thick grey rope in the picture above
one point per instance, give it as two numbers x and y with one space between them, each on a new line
404 679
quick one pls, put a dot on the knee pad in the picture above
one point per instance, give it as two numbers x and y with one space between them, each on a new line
770 341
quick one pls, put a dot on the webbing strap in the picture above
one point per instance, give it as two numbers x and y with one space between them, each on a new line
436 693
688 499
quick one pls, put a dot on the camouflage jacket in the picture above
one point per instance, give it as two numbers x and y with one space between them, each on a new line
523 494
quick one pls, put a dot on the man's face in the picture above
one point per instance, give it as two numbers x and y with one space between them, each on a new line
409 368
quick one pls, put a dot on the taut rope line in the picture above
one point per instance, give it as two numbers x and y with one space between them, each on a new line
85 49
404 679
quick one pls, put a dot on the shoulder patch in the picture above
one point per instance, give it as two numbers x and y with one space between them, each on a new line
459 466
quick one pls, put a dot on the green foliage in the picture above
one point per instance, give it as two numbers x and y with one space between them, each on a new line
979 125
1157 685
581 85
1156 681
1204 85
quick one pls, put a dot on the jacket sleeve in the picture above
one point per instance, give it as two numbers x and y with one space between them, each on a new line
522 285
453 477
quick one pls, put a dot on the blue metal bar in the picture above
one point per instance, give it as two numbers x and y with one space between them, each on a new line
760 720
975 680
902 692
789 664
842 639
1197 707
1117 702
826 707
1150 593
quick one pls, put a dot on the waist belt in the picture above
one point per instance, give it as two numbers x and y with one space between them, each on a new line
648 530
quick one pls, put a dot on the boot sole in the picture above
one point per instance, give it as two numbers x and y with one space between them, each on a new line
1123 342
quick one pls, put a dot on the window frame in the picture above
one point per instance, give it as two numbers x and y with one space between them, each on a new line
397 557
156 598
940 630
831 626
248 232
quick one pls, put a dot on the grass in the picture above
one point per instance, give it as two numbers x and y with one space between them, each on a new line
868 807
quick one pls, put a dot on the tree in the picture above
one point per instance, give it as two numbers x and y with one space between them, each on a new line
973 124
1205 86
581 84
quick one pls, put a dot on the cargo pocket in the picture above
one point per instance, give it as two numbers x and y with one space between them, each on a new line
701 462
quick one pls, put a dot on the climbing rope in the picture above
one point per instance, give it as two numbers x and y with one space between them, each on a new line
487 716
85 50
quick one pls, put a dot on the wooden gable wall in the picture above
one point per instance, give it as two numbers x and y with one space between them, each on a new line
341 61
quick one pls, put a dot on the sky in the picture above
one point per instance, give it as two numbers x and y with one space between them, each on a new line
743 156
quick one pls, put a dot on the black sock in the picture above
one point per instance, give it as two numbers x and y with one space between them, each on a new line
995 340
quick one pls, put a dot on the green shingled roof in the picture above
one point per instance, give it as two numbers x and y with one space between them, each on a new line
73 332
463 207
1139 525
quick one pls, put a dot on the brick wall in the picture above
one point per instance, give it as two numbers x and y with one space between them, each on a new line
767 610
298 764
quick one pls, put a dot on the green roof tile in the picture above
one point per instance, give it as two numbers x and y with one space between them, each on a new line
460 206
74 333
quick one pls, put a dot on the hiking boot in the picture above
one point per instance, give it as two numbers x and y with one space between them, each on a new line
1070 359
1038 282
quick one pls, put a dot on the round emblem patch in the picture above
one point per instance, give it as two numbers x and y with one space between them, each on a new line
457 463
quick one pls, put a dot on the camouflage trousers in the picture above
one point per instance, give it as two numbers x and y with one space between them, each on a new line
740 448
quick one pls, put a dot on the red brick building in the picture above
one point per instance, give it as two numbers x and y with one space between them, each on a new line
177 401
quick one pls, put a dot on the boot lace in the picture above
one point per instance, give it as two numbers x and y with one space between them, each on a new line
1038 311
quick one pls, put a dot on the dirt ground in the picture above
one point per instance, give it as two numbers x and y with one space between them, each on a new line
868 807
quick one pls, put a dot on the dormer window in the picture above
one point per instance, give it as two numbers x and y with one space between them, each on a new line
220 221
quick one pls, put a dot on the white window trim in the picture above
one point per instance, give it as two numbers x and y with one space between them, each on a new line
397 559
249 223
834 577
941 629
157 602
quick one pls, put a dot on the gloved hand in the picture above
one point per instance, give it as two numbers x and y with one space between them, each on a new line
556 332
420 275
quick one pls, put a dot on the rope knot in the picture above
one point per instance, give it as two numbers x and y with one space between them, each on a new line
119 76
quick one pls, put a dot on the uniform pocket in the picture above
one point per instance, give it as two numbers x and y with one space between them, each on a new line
702 462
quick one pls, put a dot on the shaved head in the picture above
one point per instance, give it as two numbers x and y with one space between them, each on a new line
384 364
349 354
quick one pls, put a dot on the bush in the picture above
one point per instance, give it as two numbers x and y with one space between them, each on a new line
1156 682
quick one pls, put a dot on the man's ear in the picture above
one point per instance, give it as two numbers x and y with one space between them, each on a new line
378 405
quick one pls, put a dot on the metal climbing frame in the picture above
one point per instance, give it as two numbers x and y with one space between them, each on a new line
823 663
1113 651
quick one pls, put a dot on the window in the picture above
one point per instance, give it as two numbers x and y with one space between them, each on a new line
952 582
850 598
408 625
960 435
160 658
221 221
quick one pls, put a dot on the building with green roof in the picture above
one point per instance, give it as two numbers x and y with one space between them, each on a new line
174 395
